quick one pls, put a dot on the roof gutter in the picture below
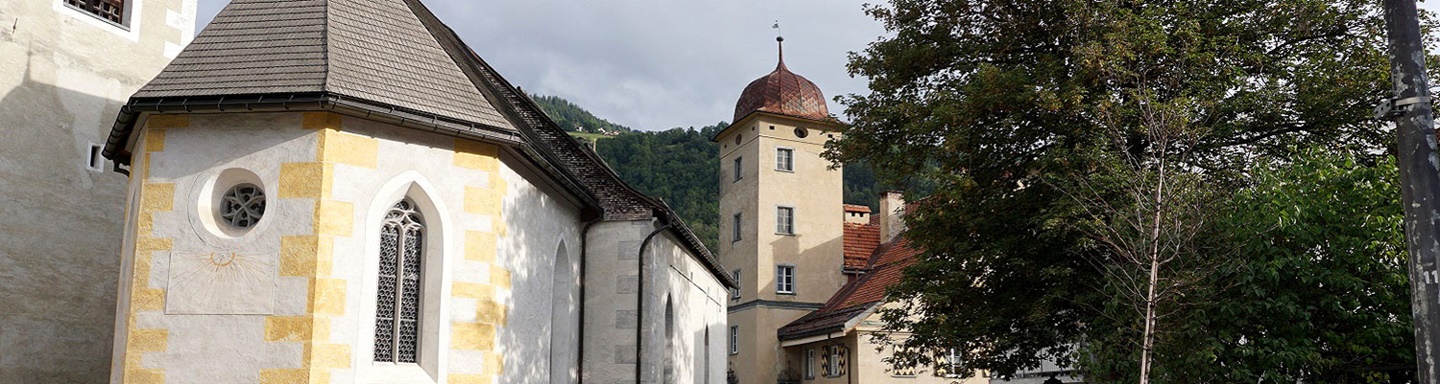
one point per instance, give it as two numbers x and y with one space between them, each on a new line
115 146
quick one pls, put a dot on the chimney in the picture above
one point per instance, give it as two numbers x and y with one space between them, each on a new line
892 210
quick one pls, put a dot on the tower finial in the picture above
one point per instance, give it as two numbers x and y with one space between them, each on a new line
780 42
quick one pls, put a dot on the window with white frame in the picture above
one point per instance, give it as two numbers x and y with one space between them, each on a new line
949 364
785 220
785 159
810 363
833 360
108 10
734 340
397 305
735 228
738 168
735 292
785 279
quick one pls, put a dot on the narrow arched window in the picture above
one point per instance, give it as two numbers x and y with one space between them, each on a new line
397 305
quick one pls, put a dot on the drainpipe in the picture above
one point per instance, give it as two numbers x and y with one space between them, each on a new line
640 302
580 357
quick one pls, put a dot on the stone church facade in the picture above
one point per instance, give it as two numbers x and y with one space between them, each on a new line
341 191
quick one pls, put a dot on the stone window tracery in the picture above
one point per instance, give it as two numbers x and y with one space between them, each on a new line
242 206
397 303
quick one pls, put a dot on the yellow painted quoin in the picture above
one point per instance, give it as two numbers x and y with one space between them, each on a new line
155 198
482 247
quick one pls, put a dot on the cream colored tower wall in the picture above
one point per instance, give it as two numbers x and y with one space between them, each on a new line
64 75
815 249
293 299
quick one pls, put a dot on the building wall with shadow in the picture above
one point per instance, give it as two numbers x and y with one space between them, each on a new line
64 74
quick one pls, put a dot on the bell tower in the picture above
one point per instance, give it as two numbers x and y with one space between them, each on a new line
781 224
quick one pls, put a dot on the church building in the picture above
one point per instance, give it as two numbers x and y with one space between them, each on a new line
341 191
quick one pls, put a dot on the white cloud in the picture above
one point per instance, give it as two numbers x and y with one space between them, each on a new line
656 64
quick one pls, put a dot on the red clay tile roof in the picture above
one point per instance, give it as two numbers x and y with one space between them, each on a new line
857 208
860 242
886 266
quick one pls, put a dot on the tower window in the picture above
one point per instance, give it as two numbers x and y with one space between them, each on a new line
785 220
739 163
109 10
785 279
785 159
735 292
734 340
397 305
735 228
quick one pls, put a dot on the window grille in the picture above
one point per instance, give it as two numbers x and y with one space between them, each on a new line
785 220
785 159
112 10
785 279
397 308
242 206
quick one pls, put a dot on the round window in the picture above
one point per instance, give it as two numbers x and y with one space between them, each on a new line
737 139
242 206
801 132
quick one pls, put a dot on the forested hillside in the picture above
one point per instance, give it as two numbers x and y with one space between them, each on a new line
679 166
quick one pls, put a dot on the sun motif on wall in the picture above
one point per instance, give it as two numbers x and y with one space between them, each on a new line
221 283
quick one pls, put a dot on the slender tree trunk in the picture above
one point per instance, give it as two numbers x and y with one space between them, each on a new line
1148 345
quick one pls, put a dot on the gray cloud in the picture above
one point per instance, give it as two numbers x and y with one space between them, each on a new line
656 64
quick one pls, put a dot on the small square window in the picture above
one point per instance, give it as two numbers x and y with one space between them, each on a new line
108 10
96 159
785 159
785 279
785 220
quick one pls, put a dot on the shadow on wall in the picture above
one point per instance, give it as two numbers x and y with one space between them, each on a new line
57 299
535 235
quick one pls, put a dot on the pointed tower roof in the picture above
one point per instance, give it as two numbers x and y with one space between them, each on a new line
372 50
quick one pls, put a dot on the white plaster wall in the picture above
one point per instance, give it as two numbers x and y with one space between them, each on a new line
539 220
63 79
193 157
611 284
699 306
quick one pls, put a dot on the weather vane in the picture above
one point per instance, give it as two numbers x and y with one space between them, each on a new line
776 27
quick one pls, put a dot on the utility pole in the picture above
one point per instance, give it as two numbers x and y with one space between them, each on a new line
1419 177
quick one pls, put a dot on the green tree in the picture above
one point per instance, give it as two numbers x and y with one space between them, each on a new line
997 104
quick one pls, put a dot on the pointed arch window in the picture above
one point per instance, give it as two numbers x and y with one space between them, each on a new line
397 305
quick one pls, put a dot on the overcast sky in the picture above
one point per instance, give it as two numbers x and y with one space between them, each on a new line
655 64
658 64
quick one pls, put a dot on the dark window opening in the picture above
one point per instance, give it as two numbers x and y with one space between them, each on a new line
111 10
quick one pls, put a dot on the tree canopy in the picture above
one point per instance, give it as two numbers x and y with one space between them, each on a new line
999 106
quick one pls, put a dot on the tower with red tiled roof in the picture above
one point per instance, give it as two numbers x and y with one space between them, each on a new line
782 222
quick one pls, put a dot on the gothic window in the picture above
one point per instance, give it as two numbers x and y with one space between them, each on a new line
397 308
110 10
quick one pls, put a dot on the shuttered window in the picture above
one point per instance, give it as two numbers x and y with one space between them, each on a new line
112 10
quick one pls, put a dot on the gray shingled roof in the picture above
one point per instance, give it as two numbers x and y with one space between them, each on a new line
373 50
